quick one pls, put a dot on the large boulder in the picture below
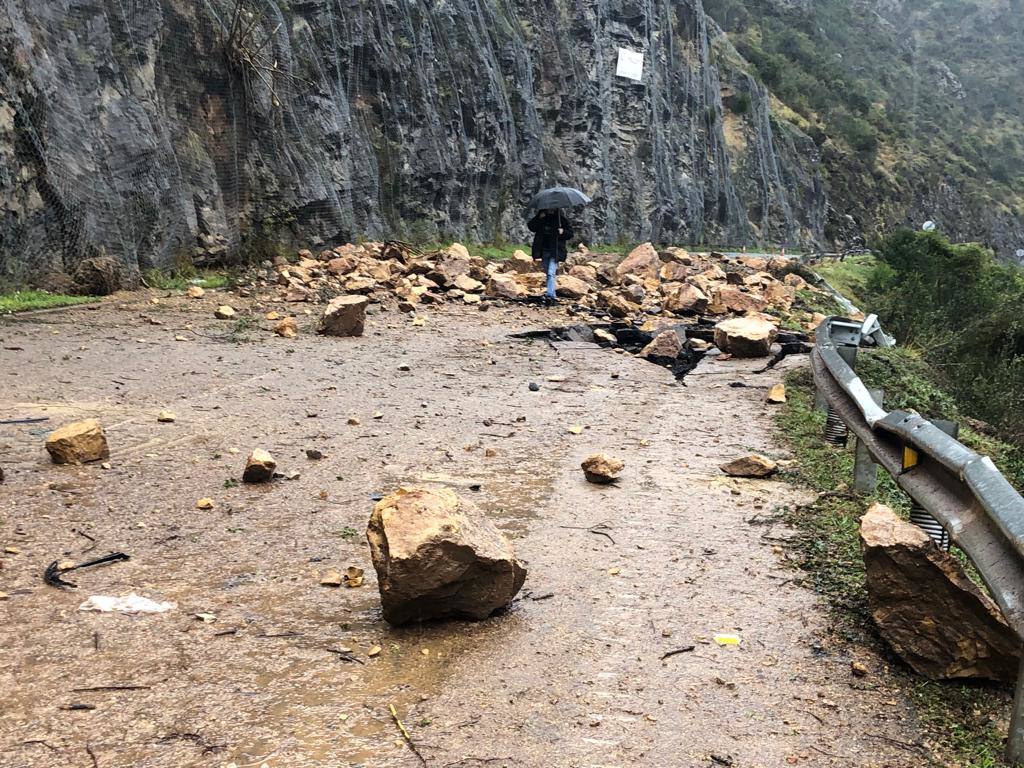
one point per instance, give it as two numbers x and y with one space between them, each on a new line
78 443
345 316
437 557
926 607
745 337
642 261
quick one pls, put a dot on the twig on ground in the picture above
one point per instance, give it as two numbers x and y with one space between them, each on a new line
95 760
600 529
40 742
405 734
677 651
344 655
96 688
90 538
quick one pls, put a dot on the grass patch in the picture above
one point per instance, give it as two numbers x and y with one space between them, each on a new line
850 276
179 280
963 724
23 301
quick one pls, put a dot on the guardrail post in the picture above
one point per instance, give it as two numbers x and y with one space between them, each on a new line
865 471
922 518
1015 738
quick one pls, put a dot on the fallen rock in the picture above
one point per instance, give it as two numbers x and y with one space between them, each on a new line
259 467
78 443
504 287
287 328
642 261
735 299
345 316
467 284
673 271
745 337
331 578
195 292
224 312
666 345
685 299
166 417
777 394
437 557
602 469
925 606
570 287
617 305
750 466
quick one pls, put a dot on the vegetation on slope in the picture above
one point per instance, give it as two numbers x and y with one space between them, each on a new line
901 104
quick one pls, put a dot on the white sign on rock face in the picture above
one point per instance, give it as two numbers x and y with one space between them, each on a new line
631 64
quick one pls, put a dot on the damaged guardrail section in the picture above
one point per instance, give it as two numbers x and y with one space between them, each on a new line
979 509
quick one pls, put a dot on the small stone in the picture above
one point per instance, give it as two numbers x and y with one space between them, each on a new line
353 577
287 328
259 467
12 551
78 443
204 504
374 651
273 316
750 466
224 312
858 669
195 292
602 469
166 417
331 578
313 454
353 421
777 394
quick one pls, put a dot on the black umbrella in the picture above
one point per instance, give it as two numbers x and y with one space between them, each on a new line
557 198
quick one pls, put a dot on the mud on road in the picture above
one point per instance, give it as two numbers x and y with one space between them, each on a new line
571 675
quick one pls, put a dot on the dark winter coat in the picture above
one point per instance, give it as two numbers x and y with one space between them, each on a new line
546 240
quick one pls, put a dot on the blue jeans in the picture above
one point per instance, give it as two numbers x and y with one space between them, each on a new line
551 269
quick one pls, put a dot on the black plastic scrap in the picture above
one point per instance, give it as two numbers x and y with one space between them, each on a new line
52 574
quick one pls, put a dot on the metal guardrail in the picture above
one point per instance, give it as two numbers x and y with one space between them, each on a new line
977 506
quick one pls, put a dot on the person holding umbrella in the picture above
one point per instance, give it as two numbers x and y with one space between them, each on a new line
552 230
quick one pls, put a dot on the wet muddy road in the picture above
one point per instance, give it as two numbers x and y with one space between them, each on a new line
572 675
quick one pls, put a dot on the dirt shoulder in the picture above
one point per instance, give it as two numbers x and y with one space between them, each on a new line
572 675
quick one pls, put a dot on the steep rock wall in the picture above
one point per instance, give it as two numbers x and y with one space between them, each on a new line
159 130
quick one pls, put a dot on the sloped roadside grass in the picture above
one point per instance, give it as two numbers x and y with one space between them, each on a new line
962 725
23 301
849 276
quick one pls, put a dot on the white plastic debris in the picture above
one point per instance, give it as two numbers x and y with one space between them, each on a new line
131 603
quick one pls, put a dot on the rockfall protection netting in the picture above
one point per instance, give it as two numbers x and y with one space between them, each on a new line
133 130
140 133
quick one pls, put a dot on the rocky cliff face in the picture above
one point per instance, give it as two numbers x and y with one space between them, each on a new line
157 130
